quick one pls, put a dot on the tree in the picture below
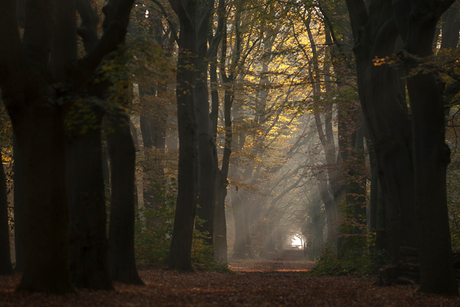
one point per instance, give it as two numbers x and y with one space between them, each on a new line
122 265
373 31
85 182
181 243
39 79
206 165
5 260
220 186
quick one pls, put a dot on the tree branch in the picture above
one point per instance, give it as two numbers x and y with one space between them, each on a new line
88 27
115 27
168 19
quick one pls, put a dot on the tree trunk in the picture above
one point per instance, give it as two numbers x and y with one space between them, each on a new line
387 118
181 243
122 264
43 153
220 224
5 256
431 156
206 172
86 199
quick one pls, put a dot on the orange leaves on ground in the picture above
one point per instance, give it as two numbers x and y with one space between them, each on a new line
256 283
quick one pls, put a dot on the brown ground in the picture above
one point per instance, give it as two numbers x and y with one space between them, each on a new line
270 282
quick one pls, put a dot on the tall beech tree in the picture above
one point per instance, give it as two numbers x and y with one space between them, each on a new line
181 243
122 265
40 79
410 147
206 166
84 173
89 245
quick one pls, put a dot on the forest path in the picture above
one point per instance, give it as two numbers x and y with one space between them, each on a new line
279 280
290 260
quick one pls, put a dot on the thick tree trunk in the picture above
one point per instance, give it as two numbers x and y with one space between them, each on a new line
431 156
40 76
181 242
43 153
86 199
5 256
122 265
387 118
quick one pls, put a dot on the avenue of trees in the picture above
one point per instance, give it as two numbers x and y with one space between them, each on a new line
188 131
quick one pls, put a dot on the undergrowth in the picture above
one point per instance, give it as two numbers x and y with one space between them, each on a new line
357 256
154 227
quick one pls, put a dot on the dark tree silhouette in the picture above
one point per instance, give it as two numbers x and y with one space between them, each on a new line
40 79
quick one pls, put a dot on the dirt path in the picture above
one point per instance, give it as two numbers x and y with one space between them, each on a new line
282 261
268 282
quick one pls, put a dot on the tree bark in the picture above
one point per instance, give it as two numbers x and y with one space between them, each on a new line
181 243
47 244
86 199
39 79
431 153
122 264
206 171
387 118
220 224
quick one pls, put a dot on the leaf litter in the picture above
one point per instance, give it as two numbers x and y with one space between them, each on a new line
262 282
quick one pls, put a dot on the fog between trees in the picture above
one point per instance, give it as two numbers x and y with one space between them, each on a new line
226 128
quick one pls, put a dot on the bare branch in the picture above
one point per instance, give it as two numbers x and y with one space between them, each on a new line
168 19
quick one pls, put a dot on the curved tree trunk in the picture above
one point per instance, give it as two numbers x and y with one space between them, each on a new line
181 242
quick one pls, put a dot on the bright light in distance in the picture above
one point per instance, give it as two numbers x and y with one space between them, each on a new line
296 242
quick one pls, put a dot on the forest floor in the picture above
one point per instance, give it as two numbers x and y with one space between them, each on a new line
281 280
